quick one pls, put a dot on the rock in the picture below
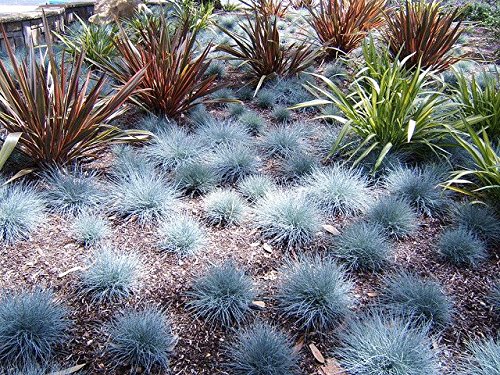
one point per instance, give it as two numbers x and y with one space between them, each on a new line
331 229
316 353
106 11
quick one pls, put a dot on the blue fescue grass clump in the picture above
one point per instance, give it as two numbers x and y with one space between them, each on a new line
236 109
262 349
363 246
338 190
110 275
484 358
282 114
173 147
494 297
222 296
216 68
335 71
265 99
394 215
422 300
144 196
289 91
420 187
224 94
223 207
256 186
156 124
252 122
222 132
72 191
287 219
32 324
479 219
298 165
141 339
21 210
181 235
461 247
284 140
232 163
245 93
387 345
199 115
314 293
128 161
89 229
195 178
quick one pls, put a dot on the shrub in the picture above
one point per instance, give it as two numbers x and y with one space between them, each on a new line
423 34
173 147
284 141
72 191
110 275
287 219
420 187
21 210
314 293
423 300
460 247
32 324
195 178
145 197
338 190
260 48
478 219
181 235
232 163
223 207
387 345
255 187
390 109
71 112
217 133
298 165
363 246
394 215
342 25
222 296
141 339
262 349
252 122
484 359
90 229
282 114
265 99
173 69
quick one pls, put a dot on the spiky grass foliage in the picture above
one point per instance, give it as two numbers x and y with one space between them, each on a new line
289 90
141 339
262 349
216 133
298 165
173 147
479 219
222 296
128 161
195 178
314 293
284 140
181 235
72 191
420 187
255 187
265 99
282 114
252 122
21 210
484 358
146 197
232 163
90 229
223 207
217 69
335 70
338 190
32 324
224 94
394 215
245 93
461 247
287 219
423 300
494 297
236 110
363 246
387 345
199 115
110 275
